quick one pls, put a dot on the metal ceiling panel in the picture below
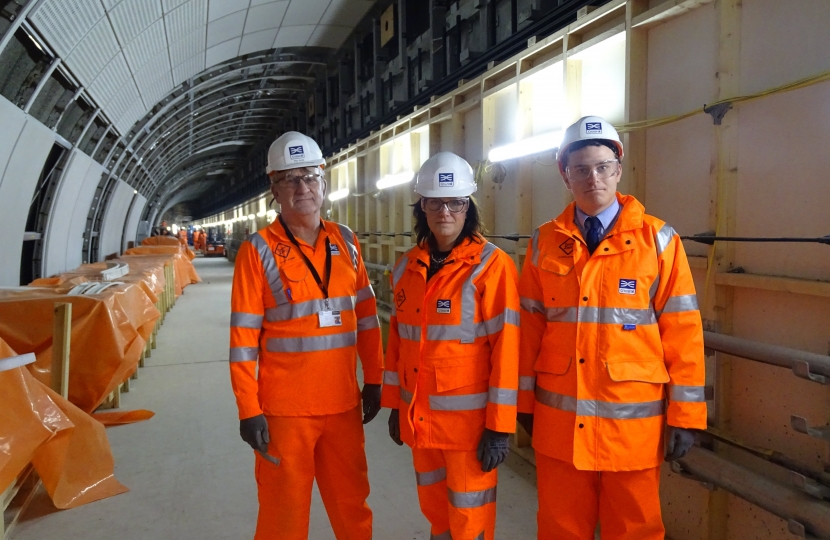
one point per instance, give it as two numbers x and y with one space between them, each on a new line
260 2
225 28
66 22
305 12
222 8
146 46
265 16
131 116
131 17
93 53
110 80
257 41
293 36
123 101
170 5
222 52
329 36
186 18
187 69
187 47
153 91
346 12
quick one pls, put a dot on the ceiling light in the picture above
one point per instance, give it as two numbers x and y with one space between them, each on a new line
395 179
339 194
251 216
526 147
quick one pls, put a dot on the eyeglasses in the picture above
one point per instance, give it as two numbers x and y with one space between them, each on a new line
604 169
311 180
456 206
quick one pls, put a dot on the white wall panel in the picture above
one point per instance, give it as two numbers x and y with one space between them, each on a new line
30 143
132 220
114 219
63 239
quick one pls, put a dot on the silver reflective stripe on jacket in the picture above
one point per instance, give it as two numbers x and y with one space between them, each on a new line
468 295
678 304
531 306
246 320
430 477
348 236
391 378
601 409
688 394
464 402
663 238
406 395
367 323
598 315
409 331
311 343
534 240
472 499
400 268
527 383
269 267
287 312
365 293
243 354
503 396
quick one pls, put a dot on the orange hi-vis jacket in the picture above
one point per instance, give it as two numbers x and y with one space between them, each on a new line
452 355
610 337
304 370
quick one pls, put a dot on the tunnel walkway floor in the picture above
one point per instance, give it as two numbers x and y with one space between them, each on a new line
192 478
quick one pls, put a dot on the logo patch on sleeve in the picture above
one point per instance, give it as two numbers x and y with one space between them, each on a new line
628 286
334 249
593 128
446 179
296 152
443 306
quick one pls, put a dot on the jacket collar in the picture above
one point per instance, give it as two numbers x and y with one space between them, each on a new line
278 230
630 218
468 252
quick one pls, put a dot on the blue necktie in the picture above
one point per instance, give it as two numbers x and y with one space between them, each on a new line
592 225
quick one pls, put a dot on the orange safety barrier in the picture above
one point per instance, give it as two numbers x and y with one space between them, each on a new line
68 448
109 333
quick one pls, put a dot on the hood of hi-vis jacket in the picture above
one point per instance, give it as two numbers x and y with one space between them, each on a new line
610 337
452 355
304 368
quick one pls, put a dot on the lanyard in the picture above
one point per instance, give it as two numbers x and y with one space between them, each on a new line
323 286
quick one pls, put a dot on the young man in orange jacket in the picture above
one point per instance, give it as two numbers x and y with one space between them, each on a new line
610 333
302 310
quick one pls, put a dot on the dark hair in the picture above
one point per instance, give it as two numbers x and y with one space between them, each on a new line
579 145
472 231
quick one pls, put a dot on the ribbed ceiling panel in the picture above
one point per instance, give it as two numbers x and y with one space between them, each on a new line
124 101
187 47
110 80
186 18
94 52
131 17
66 22
189 68
146 46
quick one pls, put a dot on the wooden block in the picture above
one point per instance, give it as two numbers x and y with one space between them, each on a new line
134 376
61 341
387 25
584 11
125 386
15 499
531 41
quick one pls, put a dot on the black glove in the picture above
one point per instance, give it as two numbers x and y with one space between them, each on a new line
395 426
492 449
254 431
680 440
526 421
371 401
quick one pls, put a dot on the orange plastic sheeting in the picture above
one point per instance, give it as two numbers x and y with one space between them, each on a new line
185 271
109 332
160 241
120 418
68 448
148 281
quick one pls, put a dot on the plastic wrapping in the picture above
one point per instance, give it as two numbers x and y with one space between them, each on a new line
68 448
121 418
151 280
109 333
185 271
160 241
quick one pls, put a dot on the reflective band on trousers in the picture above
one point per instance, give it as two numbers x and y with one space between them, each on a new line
465 402
586 314
527 383
391 377
601 409
367 323
442 536
269 267
311 343
689 394
502 396
246 320
430 477
677 304
287 312
406 395
663 238
472 499
244 354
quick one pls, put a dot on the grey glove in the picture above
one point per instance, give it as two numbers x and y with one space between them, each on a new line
254 431
371 402
526 421
395 426
678 443
492 449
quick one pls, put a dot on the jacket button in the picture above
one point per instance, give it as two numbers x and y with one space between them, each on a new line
580 425
422 419
417 310
584 298
606 249
628 241
415 369
581 360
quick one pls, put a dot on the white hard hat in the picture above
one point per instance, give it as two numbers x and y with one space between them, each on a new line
445 175
587 128
292 150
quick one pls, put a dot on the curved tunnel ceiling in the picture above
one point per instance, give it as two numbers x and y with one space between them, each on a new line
191 86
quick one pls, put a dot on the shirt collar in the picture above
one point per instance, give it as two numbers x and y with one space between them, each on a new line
605 217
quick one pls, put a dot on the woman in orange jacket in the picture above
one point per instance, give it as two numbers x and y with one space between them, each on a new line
451 376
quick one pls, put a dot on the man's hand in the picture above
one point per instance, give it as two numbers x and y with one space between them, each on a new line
492 449
680 440
371 402
395 426
526 421
254 431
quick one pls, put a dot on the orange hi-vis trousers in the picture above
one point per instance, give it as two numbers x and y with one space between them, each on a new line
329 448
571 502
457 497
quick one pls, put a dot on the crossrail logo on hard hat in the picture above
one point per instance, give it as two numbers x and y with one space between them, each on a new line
446 179
593 128
296 152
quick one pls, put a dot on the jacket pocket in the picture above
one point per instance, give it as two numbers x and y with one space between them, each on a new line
465 372
554 265
648 371
555 364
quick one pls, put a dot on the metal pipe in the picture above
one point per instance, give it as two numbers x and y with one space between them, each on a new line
795 507
380 267
775 355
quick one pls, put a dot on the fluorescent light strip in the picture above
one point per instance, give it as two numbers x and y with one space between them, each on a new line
526 147
395 179
339 194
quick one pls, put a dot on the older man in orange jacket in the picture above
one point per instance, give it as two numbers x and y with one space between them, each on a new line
610 333
302 309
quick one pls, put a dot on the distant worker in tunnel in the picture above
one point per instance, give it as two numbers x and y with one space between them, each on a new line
302 310
452 369
611 332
